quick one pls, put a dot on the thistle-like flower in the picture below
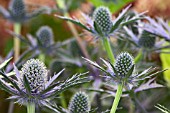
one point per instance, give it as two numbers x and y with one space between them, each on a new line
158 27
143 39
79 103
45 36
33 86
123 70
17 11
101 24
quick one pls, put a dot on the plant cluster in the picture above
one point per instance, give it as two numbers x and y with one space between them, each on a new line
127 44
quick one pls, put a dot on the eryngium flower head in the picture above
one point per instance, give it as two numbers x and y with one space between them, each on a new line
79 103
123 71
103 19
144 39
45 36
158 27
147 40
17 11
36 73
123 64
31 83
101 24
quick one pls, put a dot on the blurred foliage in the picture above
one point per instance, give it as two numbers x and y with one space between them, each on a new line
114 5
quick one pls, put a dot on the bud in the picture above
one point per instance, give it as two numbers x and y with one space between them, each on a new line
103 18
79 103
123 64
36 73
45 36
147 40
17 9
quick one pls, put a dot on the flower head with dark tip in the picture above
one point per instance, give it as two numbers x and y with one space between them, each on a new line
101 25
33 86
45 36
17 11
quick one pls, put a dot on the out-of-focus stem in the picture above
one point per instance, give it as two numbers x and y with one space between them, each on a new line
108 49
139 56
17 30
79 41
63 102
30 108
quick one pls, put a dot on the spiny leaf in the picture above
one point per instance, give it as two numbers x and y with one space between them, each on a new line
5 63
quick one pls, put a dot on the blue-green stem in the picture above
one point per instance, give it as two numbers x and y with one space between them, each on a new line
117 97
17 30
108 49
30 107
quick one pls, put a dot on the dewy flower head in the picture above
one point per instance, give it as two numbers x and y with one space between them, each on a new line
17 11
79 103
33 86
123 70
102 25
45 36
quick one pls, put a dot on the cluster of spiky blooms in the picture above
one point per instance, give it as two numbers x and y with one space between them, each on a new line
103 19
101 24
147 40
79 103
123 64
45 36
17 11
33 86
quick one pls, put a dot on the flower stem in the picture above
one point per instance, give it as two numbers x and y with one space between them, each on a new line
30 108
108 49
17 30
63 102
139 56
117 98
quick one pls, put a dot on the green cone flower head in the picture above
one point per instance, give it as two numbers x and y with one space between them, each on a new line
17 9
79 103
45 36
36 73
123 64
147 40
103 19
